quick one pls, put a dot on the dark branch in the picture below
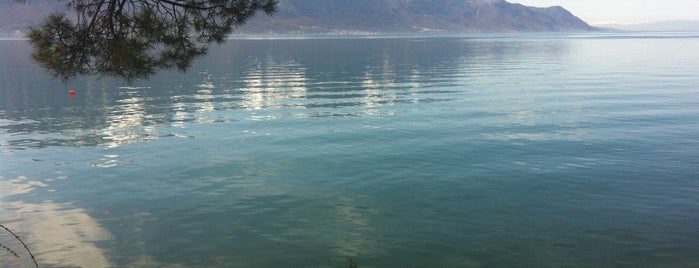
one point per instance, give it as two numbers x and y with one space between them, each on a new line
15 254
131 39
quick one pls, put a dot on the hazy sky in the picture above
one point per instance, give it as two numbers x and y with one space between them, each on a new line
624 11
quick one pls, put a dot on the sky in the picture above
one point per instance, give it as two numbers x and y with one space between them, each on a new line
624 11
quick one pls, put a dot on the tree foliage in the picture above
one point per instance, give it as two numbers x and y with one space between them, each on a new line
131 39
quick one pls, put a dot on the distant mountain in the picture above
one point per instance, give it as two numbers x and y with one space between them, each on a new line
661 26
380 16
16 17
361 16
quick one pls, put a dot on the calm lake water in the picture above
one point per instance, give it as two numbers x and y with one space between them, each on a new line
411 151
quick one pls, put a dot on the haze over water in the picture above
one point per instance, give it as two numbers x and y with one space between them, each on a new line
410 151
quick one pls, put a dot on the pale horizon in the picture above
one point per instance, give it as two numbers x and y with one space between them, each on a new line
623 11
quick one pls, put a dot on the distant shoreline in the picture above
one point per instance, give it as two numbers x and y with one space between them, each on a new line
287 36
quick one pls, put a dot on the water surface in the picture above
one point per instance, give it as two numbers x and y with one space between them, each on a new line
411 151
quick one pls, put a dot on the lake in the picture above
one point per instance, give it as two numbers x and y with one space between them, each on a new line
503 150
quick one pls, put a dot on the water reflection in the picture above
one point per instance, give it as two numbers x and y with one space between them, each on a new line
127 120
60 235
304 80
204 101
256 80
379 84
273 84
219 190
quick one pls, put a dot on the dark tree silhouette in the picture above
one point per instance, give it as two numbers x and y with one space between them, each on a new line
131 39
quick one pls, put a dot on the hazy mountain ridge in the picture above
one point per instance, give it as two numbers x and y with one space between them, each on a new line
659 26
321 16
361 16
16 17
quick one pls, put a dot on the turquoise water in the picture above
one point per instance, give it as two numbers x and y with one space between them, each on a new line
410 151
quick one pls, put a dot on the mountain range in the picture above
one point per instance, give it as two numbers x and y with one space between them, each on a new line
382 16
658 26
363 17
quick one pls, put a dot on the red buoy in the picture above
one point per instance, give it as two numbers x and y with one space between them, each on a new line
71 92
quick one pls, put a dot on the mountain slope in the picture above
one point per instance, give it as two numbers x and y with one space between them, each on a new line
361 16
309 16
16 17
